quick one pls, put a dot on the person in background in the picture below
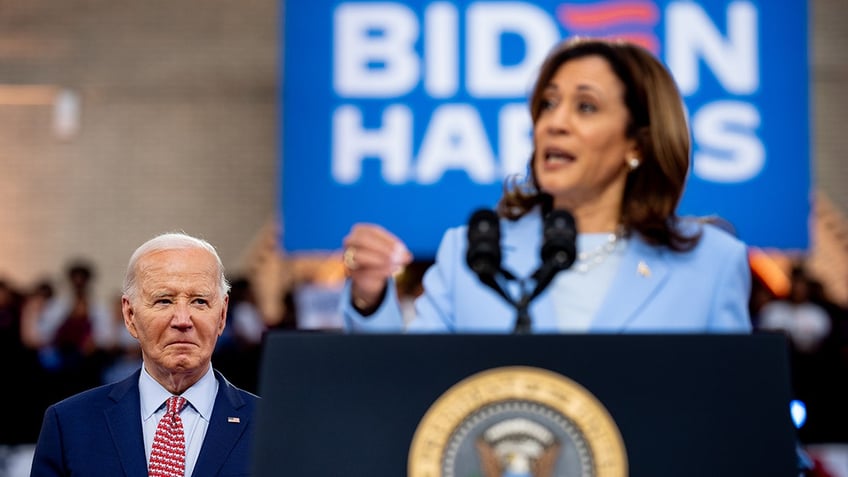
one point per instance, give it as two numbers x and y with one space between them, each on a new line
35 303
808 320
248 324
20 365
612 147
75 321
124 356
239 350
807 324
74 333
175 304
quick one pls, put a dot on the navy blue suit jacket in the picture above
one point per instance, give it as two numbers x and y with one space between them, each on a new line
98 432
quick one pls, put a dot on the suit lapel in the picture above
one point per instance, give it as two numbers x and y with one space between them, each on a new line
124 422
642 273
227 424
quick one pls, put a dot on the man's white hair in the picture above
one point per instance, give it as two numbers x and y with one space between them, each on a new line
170 241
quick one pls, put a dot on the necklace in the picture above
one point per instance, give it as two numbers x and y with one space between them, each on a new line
592 258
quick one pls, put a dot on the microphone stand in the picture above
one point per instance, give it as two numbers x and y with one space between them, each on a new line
543 276
558 253
523 323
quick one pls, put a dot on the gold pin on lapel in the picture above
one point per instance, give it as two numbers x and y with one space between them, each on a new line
233 420
643 269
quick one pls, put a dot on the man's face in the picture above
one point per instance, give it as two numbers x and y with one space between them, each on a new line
178 311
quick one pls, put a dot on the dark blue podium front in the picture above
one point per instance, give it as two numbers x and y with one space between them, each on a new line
685 405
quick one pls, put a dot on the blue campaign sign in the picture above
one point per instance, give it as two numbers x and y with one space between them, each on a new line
411 114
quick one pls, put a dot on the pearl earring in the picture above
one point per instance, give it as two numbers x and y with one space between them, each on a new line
632 162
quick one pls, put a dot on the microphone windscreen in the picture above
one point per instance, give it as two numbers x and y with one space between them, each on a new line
559 243
484 236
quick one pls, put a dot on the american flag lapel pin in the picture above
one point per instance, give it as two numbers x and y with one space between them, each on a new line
233 420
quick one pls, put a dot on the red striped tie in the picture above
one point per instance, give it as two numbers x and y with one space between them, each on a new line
168 456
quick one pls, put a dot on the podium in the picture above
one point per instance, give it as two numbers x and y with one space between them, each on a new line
673 405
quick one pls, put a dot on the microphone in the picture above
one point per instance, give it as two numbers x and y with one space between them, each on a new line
560 240
483 255
559 247
484 243
559 250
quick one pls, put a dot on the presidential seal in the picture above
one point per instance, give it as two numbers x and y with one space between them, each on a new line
517 422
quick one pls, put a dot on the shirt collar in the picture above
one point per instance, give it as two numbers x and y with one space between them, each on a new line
201 395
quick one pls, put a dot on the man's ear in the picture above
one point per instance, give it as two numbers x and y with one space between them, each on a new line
223 321
129 316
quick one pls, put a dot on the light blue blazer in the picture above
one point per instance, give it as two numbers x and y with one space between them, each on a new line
656 290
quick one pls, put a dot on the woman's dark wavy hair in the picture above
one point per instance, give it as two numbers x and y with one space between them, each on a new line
657 122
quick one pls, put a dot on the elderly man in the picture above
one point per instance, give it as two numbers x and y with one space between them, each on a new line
175 416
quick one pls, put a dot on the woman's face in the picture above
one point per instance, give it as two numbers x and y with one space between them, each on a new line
580 136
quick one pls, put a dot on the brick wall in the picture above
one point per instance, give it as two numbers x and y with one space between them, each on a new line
177 129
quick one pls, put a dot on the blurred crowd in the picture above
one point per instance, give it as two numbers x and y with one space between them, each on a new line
57 339
816 328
